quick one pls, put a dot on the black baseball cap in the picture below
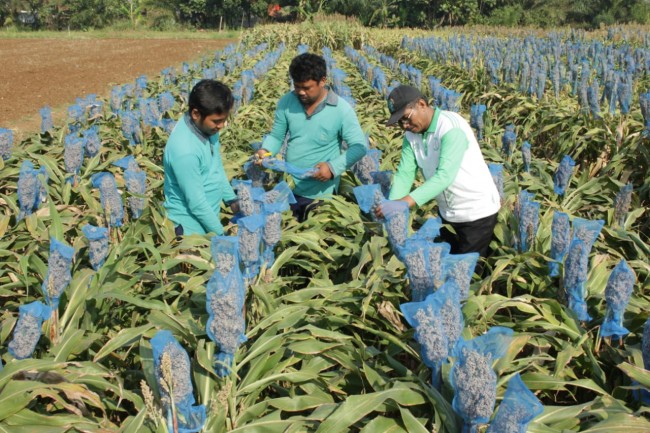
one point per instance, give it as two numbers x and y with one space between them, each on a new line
399 98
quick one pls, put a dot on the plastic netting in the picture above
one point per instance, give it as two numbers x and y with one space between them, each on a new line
73 153
244 191
587 231
430 230
92 142
256 174
368 164
508 139
528 224
496 171
110 198
576 268
617 294
415 254
563 175
98 244
59 265
136 184
272 233
6 143
476 113
473 379
396 223
47 124
438 323
622 204
560 240
251 229
174 379
368 197
517 409
281 192
27 331
31 188
384 179
459 268
526 155
286 167
127 163
131 129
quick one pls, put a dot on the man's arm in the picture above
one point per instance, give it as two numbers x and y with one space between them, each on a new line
273 142
188 175
406 171
353 135
452 149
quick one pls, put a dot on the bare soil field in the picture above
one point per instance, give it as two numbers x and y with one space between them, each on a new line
38 72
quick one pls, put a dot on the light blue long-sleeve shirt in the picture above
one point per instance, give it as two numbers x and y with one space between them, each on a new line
195 180
317 138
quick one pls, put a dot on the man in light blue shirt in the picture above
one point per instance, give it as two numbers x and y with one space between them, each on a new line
195 180
318 121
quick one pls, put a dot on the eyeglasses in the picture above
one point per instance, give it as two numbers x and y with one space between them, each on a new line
406 120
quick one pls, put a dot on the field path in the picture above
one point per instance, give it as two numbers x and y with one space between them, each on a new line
38 72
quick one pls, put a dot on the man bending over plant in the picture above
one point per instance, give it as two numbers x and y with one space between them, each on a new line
317 121
195 180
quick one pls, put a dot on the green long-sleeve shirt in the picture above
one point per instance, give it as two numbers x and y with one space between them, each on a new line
195 180
317 138
452 149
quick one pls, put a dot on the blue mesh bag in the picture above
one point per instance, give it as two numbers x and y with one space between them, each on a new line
643 394
6 143
430 230
622 204
59 265
576 268
92 142
473 379
226 325
272 233
415 255
31 188
508 140
528 223
127 163
476 113
286 167
459 268
563 175
97 244
617 294
73 154
47 124
75 115
136 184
438 323
110 198
225 254
396 222
437 252
384 179
244 191
166 101
517 409
180 392
368 197
251 229
496 171
256 174
280 193
560 240
526 155
27 331
369 163
131 129
587 231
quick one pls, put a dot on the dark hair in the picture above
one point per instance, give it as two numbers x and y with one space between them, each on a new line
307 66
211 97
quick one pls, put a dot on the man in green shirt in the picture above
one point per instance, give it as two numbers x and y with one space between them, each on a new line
441 144
318 122
195 180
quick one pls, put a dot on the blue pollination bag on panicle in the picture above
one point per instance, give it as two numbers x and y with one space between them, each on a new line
384 179
523 198
364 167
256 174
622 203
460 268
136 184
286 167
576 268
127 163
430 230
110 199
437 253
59 265
368 197
97 244
250 240
272 233
31 188
244 191
617 294
180 392
473 379
528 223
92 142
6 143
396 223
560 240
438 323
517 409
508 139
27 331
280 193
496 171
415 254
47 124
587 231
563 174
526 155
73 154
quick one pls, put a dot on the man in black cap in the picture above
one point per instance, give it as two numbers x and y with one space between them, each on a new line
443 146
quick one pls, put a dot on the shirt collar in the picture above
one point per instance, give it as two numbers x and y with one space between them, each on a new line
331 99
195 130
434 122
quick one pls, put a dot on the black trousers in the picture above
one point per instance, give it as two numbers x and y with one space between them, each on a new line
470 237
303 206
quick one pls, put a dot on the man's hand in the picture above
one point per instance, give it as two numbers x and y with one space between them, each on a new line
260 155
323 172
391 206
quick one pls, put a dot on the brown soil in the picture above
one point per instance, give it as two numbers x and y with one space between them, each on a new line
54 72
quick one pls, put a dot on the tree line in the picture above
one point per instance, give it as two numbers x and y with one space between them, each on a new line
233 14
